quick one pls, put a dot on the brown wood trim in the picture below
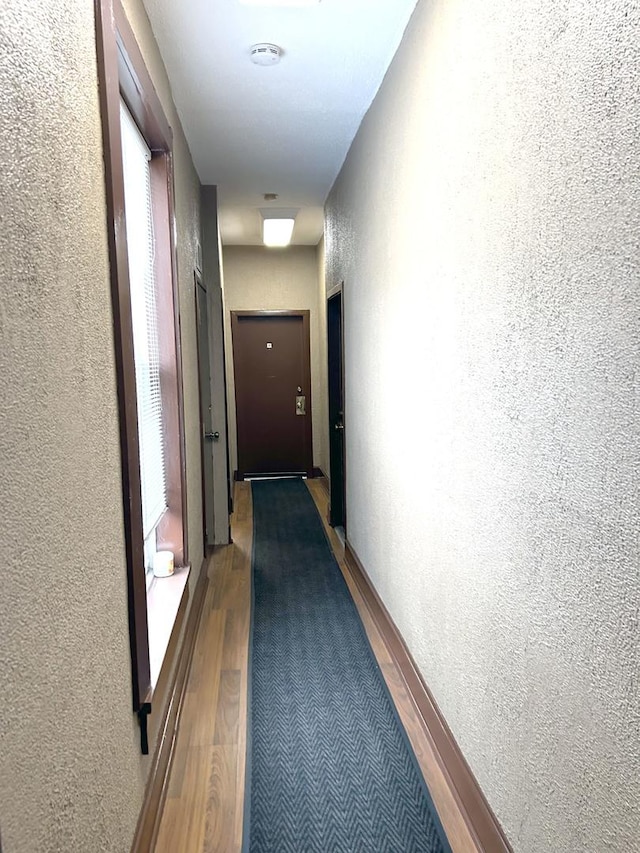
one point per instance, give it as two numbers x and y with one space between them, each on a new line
324 484
158 780
200 286
108 82
474 807
122 73
136 86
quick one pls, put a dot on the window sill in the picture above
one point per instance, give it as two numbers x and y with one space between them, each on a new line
164 598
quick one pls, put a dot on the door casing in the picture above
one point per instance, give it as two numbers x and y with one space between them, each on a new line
206 427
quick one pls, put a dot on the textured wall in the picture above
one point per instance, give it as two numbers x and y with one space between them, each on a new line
261 279
486 224
71 773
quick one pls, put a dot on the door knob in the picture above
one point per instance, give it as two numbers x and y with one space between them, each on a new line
212 435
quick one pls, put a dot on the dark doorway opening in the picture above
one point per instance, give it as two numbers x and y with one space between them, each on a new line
335 351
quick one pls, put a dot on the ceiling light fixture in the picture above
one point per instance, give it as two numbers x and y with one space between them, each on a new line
277 232
279 2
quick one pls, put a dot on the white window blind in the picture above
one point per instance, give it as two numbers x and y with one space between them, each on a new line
141 251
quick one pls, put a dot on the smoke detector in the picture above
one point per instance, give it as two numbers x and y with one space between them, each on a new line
265 54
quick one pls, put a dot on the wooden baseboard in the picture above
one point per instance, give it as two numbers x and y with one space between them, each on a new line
324 483
318 472
473 805
156 789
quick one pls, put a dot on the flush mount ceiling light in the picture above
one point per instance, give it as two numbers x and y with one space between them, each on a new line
265 54
277 232
279 2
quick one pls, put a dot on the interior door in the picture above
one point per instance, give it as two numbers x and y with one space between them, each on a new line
207 434
335 351
273 392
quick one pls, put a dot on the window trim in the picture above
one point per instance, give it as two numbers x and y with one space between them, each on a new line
122 72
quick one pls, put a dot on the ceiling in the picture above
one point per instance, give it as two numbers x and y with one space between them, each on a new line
282 129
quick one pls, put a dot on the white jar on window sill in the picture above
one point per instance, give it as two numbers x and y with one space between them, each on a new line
163 564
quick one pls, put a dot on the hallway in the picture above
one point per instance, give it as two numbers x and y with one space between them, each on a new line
475 217
203 810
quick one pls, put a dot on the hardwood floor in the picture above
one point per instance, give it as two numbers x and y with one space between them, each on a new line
204 806
203 811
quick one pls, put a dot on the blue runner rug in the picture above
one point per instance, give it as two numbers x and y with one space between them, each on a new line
329 766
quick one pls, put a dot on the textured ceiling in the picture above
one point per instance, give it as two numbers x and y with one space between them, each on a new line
284 129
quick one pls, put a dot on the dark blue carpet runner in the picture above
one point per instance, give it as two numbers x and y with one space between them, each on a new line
329 766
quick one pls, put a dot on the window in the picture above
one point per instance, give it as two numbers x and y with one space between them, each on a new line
139 188
136 159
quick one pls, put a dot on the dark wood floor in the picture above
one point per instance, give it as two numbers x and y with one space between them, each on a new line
204 806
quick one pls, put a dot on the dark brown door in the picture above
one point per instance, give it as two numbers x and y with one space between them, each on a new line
273 392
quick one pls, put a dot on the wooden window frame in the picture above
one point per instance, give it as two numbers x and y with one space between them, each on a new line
122 73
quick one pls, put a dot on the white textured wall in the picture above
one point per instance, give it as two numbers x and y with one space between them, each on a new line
71 773
486 223
257 278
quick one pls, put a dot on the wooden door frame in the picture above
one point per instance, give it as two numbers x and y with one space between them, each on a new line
305 315
199 283
332 293
226 414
